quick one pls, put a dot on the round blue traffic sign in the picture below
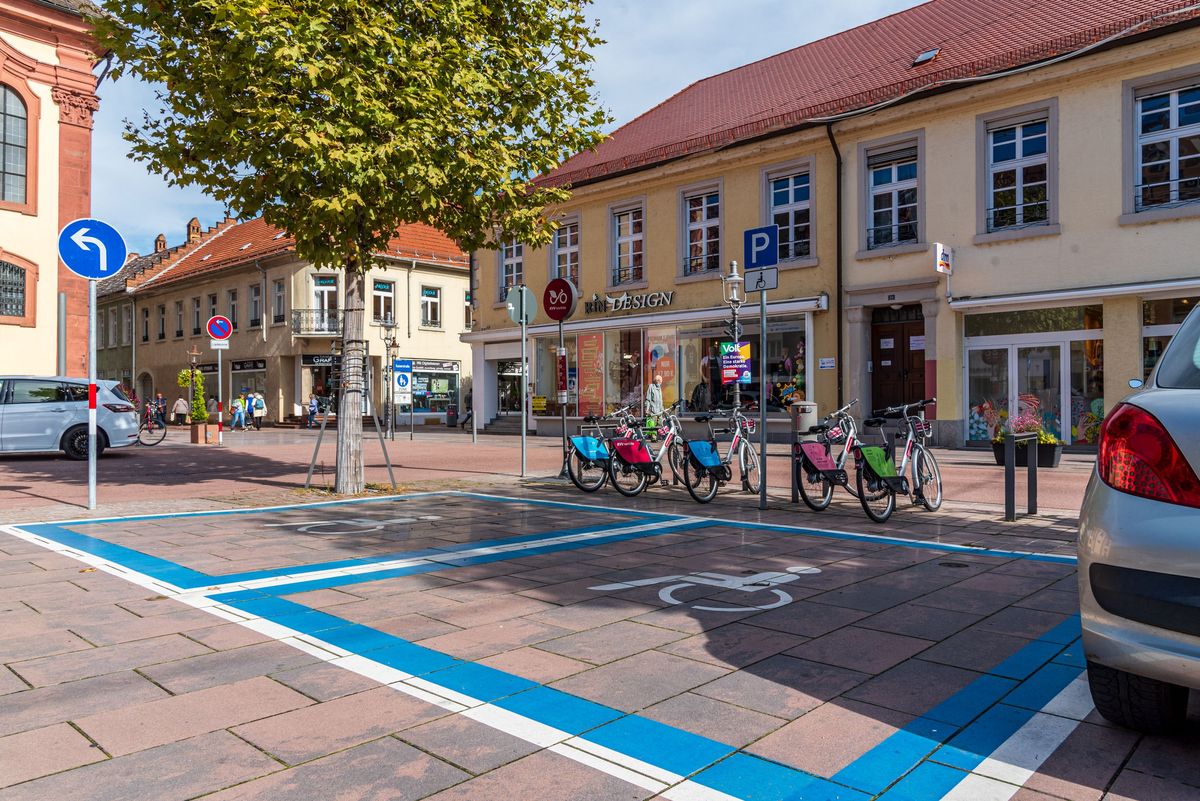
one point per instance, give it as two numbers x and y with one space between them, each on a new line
219 327
91 248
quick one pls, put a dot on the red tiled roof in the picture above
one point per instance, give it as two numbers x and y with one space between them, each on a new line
234 244
864 66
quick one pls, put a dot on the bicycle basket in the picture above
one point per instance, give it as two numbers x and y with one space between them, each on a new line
835 435
749 425
922 428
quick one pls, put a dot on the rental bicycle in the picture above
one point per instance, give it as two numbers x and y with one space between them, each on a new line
150 431
705 469
633 466
589 454
818 468
880 479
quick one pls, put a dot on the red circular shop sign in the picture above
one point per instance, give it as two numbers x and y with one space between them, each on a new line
559 299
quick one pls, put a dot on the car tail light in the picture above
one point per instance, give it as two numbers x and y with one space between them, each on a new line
119 408
1138 456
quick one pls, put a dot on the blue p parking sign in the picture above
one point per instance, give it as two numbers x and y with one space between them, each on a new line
762 247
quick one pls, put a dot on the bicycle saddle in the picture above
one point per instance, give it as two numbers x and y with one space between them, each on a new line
874 422
819 428
591 418
702 418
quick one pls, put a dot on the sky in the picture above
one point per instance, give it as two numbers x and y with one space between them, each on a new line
652 50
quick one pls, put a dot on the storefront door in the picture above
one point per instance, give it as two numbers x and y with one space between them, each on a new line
1020 379
508 384
897 358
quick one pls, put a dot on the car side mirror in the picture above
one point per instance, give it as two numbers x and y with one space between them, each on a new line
1136 383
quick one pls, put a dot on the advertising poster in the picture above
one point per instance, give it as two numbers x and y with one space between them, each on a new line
735 362
662 359
590 377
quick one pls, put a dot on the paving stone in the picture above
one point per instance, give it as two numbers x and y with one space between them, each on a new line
1134 786
639 681
226 636
806 619
975 649
1085 764
144 627
40 752
413 627
1174 758
57 703
914 686
830 737
864 650
10 682
590 614
222 667
782 686
535 664
914 620
172 772
467 743
610 643
544 776
1065 603
324 682
108 659
734 645
40 643
493 638
716 720
482 612
134 728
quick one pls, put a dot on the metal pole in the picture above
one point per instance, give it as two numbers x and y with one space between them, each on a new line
737 384
220 403
562 407
91 394
524 378
62 333
1010 479
762 399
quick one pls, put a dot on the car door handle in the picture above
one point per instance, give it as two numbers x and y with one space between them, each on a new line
60 409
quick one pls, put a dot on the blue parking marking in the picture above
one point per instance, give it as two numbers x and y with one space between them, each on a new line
929 781
559 710
752 778
660 745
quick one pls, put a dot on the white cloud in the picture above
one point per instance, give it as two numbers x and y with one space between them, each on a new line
653 50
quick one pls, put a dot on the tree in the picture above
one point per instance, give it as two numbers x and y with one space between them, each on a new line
193 380
340 120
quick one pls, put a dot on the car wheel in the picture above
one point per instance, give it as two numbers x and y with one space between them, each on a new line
1136 702
75 443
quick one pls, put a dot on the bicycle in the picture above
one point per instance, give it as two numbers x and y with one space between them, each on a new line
817 469
633 460
150 431
880 479
587 460
705 469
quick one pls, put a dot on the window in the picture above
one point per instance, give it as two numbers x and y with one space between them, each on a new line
277 302
195 317
178 318
383 298
232 297
1168 148
628 240
431 307
146 325
702 217
566 252
512 266
114 323
1018 175
12 290
1161 320
126 325
26 390
892 181
162 322
101 330
255 305
790 209
14 146
212 306
468 313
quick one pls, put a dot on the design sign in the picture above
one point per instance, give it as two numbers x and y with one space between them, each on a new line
627 302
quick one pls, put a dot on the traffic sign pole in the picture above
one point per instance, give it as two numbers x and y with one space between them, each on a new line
524 380
91 394
220 412
762 399
762 256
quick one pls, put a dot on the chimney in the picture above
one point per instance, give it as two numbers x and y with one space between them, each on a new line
160 243
193 230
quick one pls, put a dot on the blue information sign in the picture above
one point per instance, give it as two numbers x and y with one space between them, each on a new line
402 365
762 247
91 248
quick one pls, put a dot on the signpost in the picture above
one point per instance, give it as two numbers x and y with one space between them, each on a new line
762 275
522 308
219 328
402 370
92 249
560 299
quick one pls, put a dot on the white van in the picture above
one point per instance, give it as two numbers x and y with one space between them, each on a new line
40 413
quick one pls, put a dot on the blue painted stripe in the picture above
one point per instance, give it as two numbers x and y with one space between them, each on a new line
928 782
411 658
659 744
875 770
976 742
480 681
126 557
559 710
753 779
1040 688
965 705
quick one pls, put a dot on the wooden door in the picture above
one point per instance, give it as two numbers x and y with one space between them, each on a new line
898 363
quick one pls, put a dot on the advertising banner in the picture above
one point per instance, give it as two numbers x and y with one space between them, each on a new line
591 373
735 362
661 359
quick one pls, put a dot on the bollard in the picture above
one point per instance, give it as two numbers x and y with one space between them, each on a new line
1010 475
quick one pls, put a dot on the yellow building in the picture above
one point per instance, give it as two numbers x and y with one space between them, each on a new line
1054 153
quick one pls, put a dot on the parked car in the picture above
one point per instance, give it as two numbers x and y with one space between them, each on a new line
40 413
1139 547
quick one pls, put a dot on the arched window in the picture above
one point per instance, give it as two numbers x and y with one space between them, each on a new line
14 146
12 290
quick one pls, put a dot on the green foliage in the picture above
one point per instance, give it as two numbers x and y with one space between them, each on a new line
185 379
338 120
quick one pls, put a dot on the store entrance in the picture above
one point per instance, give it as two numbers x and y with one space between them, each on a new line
508 384
897 356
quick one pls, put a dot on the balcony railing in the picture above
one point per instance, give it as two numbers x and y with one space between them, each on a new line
317 322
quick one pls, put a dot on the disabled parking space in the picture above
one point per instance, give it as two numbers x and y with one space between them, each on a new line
601 653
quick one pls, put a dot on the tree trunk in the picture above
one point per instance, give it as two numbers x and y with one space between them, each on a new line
349 419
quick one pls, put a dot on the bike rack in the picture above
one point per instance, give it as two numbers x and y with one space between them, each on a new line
1010 474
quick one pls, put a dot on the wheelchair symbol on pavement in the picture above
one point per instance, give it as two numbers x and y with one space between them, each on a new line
759 582
349 526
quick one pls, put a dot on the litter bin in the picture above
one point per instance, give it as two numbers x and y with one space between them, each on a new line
451 416
804 415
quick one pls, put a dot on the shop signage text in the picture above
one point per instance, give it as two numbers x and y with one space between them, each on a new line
321 360
627 302
249 364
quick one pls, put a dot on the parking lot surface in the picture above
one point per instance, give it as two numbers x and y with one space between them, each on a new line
458 645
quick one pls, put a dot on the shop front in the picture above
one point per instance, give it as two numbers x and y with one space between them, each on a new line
435 388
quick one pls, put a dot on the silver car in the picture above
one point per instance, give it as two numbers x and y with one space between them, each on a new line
51 413
1139 547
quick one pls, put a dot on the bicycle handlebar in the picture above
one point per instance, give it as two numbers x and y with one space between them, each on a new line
904 407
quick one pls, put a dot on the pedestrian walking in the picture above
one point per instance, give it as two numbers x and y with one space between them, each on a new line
312 412
180 410
239 413
654 398
470 409
260 410
160 409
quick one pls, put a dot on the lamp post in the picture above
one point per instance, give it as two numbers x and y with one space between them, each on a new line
390 342
732 285
194 353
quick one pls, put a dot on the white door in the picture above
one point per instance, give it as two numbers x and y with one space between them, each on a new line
325 302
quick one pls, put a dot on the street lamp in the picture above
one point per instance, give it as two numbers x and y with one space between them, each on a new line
390 342
194 353
732 285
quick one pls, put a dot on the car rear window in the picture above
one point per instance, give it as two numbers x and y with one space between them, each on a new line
120 393
1180 365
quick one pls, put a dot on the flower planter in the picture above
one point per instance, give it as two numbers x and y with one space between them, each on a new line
1047 455
204 434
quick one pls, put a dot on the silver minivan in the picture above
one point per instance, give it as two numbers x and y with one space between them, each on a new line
39 414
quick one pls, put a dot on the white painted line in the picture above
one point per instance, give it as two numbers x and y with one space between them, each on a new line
529 730
691 791
665 776
611 768
1074 702
465 701
981 788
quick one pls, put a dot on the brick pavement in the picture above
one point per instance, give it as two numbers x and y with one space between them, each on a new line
109 690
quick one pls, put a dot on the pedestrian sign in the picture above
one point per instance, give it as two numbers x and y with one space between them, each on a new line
402 379
91 248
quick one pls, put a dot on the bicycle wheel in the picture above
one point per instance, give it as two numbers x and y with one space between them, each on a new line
927 479
151 434
751 475
677 457
587 474
626 480
701 483
878 504
817 495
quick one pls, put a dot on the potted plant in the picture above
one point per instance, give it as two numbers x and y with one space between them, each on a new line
1049 447
202 432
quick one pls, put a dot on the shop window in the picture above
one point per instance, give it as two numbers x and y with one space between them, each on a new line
13 291
1035 321
699 363
431 307
790 209
545 377
195 317
512 266
277 302
566 252
702 229
661 358
1087 390
1018 175
1167 153
893 197
628 238
255 305
1160 322
383 298
623 370
14 148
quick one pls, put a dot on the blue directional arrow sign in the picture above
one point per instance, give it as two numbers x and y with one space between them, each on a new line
91 248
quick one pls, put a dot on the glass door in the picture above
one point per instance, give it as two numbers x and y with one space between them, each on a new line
987 392
1040 385
325 303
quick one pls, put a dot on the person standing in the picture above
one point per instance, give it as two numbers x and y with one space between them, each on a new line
211 406
312 412
239 413
470 409
699 401
160 409
180 410
260 410
654 398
